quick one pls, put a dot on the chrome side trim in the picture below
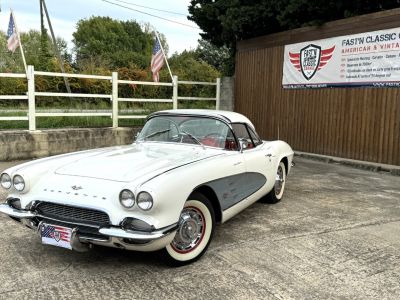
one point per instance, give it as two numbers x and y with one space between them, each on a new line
231 190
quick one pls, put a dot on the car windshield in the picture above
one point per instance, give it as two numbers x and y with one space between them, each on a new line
188 130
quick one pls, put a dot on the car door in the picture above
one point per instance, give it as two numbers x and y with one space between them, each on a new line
257 158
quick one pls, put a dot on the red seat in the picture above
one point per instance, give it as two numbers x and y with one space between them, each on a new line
210 142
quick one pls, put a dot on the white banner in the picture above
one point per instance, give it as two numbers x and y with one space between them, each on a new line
366 59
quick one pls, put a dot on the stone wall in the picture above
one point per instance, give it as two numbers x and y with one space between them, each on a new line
16 145
227 93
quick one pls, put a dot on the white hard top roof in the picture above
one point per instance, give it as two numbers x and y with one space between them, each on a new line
230 116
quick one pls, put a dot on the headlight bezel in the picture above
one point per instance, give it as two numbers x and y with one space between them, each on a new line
124 196
17 186
9 180
141 203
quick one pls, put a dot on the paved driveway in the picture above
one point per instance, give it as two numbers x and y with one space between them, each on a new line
335 235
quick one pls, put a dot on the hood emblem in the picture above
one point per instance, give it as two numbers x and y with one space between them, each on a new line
76 188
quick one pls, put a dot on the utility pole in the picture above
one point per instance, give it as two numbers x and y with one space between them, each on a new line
43 7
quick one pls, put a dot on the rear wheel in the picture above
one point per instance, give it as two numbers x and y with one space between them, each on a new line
195 231
276 194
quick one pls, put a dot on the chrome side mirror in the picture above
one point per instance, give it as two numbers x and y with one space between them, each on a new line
242 144
136 136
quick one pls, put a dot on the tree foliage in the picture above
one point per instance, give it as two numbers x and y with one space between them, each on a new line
218 57
32 42
102 46
224 22
111 42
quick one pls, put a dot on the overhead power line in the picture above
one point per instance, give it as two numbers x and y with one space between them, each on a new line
152 8
145 13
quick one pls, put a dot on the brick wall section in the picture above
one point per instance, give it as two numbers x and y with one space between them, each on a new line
16 145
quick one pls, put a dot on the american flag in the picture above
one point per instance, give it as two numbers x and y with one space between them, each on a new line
157 61
12 36
56 232
56 235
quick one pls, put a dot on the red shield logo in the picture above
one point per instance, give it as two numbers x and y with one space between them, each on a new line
309 60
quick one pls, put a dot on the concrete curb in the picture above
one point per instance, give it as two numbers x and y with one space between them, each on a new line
366 165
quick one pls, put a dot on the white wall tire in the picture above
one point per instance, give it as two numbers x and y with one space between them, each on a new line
196 228
276 194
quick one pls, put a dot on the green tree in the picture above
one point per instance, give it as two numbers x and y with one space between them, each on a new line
224 22
32 43
187 66
113 43
218 57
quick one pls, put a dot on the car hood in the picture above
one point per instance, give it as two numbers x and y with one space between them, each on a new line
136 161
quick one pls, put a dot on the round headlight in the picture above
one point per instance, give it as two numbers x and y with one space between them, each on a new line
5 181
127 198
145 200
19 183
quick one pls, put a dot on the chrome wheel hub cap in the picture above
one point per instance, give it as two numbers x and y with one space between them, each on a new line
191 230
279 181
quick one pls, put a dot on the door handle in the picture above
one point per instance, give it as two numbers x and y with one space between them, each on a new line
237 163
268 155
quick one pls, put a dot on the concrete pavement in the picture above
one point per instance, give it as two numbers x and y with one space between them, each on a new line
335 235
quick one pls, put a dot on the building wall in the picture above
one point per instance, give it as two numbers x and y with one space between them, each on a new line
356 123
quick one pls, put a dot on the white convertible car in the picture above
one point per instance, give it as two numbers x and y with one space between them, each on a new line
187 171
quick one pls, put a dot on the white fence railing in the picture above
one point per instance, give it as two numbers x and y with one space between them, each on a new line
114 97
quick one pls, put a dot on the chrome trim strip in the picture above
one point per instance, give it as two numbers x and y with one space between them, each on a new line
87 239
138 235
233 189
12 212
218 117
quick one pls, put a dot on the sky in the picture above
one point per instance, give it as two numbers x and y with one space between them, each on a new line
64 15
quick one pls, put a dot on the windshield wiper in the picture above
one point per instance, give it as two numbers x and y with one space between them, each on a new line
193 137
156 133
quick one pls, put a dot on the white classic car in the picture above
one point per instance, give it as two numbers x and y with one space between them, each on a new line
187 171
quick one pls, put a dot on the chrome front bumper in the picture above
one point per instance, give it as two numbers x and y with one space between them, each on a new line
111 232
16 213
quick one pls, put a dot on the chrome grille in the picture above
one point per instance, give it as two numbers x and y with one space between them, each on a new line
72 214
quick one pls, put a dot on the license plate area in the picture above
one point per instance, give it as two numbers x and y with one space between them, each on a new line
55 235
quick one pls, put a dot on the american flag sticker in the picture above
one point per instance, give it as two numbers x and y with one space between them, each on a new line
56 235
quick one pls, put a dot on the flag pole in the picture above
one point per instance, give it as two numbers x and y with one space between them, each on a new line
162 50
19 41
43 6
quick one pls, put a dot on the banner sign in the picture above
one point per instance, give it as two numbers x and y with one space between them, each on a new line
369 59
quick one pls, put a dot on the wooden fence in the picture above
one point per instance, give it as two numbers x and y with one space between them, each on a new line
356 123
31 95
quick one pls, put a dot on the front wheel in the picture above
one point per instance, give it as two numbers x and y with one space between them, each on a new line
195 231
276 194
